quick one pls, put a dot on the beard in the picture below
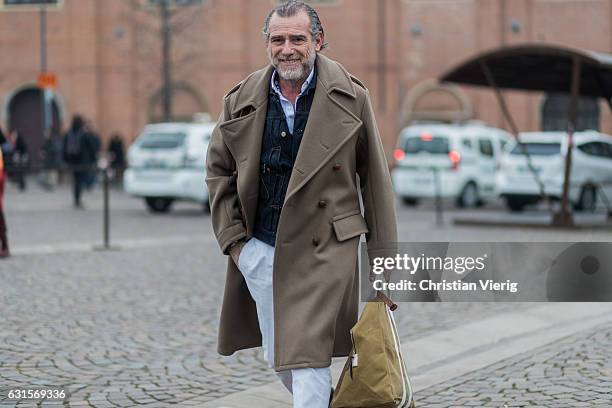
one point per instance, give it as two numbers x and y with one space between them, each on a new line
299 71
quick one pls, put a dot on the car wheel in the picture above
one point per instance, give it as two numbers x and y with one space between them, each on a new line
469 196
515 204
409 201
158 204
588 199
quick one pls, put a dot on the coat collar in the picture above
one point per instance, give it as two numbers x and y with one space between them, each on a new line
254 89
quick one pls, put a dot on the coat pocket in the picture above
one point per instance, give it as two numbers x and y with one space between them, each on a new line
349 225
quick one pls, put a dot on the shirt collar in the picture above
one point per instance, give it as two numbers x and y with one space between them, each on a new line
305 86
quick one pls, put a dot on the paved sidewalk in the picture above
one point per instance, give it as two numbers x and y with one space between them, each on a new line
482 363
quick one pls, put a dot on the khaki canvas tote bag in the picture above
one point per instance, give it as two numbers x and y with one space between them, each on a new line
374 375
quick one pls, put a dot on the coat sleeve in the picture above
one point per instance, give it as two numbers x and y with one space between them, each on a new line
375 183
221 179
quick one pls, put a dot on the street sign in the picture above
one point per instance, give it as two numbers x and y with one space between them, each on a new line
29 2
47 80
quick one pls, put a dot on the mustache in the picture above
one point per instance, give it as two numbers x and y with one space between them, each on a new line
293 58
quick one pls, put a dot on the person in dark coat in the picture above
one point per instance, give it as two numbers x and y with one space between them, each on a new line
16 158
91 157
76 153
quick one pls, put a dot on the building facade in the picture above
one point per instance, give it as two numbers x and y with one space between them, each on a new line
107 56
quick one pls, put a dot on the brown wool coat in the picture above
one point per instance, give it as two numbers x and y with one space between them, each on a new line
315 280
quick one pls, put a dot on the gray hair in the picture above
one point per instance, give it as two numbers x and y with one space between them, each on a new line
290 8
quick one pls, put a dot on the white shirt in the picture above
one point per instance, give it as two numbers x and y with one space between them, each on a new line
286 104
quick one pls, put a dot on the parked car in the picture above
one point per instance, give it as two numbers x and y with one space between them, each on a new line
591 172
465 157
167 163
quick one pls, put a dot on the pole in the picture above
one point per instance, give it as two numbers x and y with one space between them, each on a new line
106 209
439 220
563 218
382 63
166 60
515 132
45 119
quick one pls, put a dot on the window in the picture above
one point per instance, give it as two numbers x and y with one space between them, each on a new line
538 149
486 147
598 149
554 113
608 150
467 143
430 144
162 140
589 148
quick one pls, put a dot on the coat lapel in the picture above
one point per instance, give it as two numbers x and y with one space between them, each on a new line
243 135
330 125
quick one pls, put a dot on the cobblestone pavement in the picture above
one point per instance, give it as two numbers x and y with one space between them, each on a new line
138 326
123 328
575 372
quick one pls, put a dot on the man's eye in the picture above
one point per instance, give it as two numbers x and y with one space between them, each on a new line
277 41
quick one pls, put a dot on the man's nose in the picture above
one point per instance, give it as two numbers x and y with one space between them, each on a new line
287 48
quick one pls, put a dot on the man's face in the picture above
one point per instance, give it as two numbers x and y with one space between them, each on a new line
291 48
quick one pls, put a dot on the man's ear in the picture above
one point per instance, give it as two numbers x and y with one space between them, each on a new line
319 41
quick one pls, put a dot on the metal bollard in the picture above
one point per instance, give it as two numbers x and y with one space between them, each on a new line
106 208
438 188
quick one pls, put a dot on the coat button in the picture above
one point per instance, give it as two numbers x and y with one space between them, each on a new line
315 241
337 166
283 134
322 203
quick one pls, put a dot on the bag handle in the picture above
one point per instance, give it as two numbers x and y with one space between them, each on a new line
381 297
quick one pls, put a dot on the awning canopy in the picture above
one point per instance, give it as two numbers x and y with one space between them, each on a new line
537 67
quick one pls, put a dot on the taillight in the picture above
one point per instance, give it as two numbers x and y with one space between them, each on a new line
455 158
399 154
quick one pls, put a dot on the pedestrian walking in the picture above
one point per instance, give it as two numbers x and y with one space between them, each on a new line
19 159
76 153
282 171
4 248
92 153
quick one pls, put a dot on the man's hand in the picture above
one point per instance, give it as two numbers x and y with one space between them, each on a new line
235 251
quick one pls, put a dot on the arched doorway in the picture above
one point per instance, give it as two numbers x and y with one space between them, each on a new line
25 113
431 101
554 113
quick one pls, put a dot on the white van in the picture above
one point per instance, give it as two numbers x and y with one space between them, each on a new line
465 156
167 163
591 172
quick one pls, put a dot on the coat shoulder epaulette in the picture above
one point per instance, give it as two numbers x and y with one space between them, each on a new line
234 89
357 81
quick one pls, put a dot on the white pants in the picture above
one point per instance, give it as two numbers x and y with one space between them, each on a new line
310 386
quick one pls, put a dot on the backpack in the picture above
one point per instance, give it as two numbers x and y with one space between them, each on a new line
375 374
73 147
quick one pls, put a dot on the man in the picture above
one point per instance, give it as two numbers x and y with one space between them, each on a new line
76 151
281 171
